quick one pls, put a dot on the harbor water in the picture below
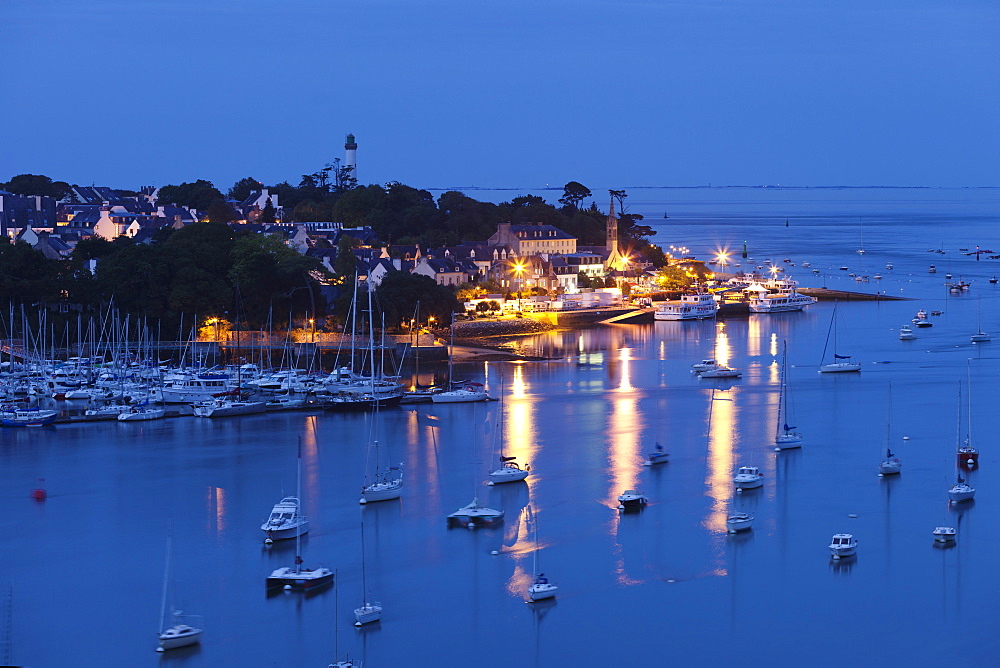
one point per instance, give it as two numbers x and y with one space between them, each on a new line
83 569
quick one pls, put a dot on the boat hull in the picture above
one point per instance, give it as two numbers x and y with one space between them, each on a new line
137 416
179 636
540 592
507 474
840 367
299 579
788 442
890 467
739 522
382 491
961 495
368 613
748 483
460 396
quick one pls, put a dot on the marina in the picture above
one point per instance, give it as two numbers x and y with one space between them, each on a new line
585 414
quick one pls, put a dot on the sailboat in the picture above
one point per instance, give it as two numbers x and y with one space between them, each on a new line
785 437
967 453
475 515
861 232
296 577
836 366
541 588
370 611
176 635
466 392
890 464
509 470
980 336
388 481
286 520
338 662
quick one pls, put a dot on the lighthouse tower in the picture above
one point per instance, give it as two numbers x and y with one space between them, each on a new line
615 260
351 155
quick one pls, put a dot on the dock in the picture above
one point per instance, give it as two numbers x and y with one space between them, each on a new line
826 294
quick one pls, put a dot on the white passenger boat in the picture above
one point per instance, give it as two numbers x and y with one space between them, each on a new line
285 520
190 389
843 545
780 302
748 477
737 522
689 307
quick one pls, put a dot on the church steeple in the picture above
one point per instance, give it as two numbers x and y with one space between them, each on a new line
614 260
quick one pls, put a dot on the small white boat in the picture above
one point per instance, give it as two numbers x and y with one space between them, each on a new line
369 612
388 485
906 334
632 500
932 269
466 393
888 266
890 465
837 366
920 322
805 263
298 578
748 477
474 515
843 545
541 588
737 522
994 280
877 277
140 413
227 408
980 337
657 456
509 471
961 491
285 520
948 276
785 437
177 635
705 365
721 372
840 367
944 534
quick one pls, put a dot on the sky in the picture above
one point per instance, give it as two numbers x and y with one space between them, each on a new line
518 94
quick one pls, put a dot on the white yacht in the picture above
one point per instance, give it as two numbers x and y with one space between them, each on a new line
737 522
632 499
906 334
509 471
780 302
944 534
689 307
657 456
980 337
748 477
141 413
474 515
961 491
704 365
388 485
843 545
191 388
285 520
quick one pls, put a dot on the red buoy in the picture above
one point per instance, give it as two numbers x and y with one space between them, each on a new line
39 493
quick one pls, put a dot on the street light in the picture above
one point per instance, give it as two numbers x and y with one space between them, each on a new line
518 271
312 327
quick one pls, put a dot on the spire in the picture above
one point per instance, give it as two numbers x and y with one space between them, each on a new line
614 260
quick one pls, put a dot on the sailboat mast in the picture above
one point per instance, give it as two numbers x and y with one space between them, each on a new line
298 509
364 580
166 575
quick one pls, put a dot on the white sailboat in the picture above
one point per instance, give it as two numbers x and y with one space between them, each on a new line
980 336
966 452
836 366
785 437
388 480
346 661
739 521
474 514
296 577
509 470
177 634
370 611
890 464
540 588
466 392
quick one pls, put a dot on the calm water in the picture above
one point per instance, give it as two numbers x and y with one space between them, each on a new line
664 586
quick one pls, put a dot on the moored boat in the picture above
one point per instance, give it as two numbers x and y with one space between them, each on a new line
689 307
27 417
739 521
748 477
632 499
843 545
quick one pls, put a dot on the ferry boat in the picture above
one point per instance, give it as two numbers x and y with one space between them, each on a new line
779 302
696 306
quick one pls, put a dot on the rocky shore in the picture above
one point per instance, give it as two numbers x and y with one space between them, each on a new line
494 340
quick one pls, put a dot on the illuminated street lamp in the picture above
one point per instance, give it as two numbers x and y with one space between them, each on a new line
518 271
312 328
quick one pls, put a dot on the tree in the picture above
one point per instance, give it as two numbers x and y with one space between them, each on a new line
244 188
37 184
574 192
198 195
268 273
267 214
400 291
345 265
220 212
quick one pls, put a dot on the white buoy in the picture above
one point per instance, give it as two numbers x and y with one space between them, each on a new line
287 587
268 541
621 507
852 515
357 624
906 438
739 489
489 484
495 552
362 501
881 475
777 449
159 649
836 556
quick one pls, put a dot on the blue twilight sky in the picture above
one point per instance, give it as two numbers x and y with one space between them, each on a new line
520 93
